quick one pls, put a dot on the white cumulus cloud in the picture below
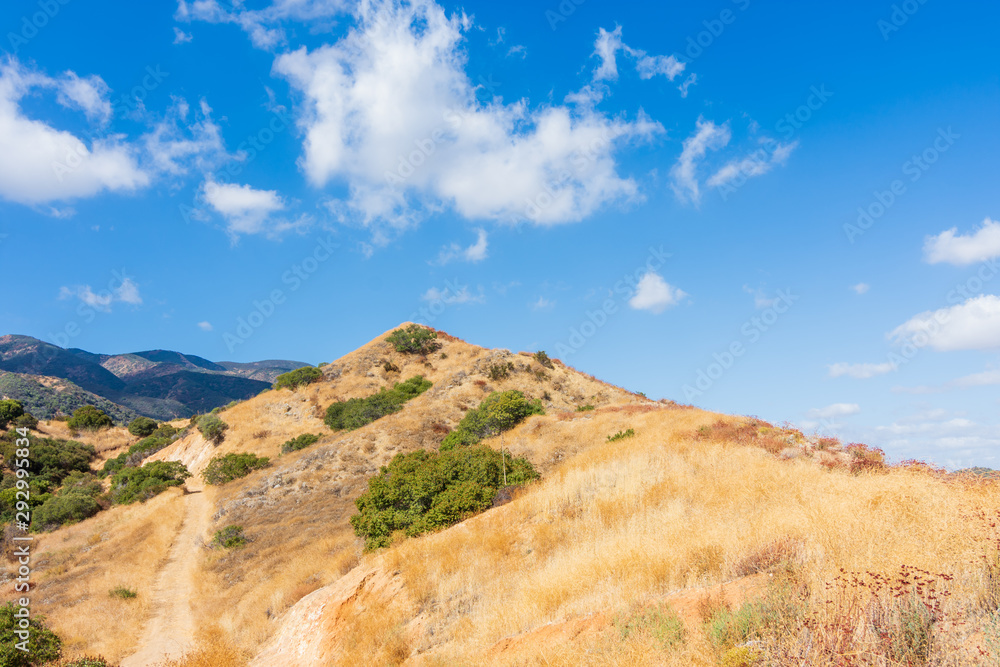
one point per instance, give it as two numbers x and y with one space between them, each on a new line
655 294
971 325
961 250
246 210
40 163
390 111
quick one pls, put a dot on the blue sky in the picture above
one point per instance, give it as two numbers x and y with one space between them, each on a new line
759 208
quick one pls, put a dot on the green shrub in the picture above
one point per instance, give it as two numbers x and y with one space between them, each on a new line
585 408
9 411
230 537
357 412
298 378
51 460
301 442
424 491
660 622
60 510
226 468
89 418
543 359
129 485
43 644
213 428
122 593
414 339
500 371
621 435
142 426
498 412
27 421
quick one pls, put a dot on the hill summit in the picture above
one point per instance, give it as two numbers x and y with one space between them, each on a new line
652 533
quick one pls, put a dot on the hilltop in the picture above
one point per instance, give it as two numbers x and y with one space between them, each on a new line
657 534
162 384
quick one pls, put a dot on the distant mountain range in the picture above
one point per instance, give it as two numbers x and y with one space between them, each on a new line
161 384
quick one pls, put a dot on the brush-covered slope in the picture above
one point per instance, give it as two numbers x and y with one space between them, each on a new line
156 383
650 521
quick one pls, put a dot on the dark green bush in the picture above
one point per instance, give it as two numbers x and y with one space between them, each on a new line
51 460
424 491
414 339
585 408
213 428
230 537
301 442
357 412
89 418
297 378
500 371
226 468
9 411
27 421
75 501
498 412
87 661
142 426
129 485
543 359
43 644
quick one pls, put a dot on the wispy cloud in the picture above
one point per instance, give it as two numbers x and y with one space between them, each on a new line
473 253
860 371
126 292
684 174
835 410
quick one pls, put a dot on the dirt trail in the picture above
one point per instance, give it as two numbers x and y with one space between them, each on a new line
170 633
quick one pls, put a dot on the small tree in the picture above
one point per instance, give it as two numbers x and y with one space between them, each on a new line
542 358
9 411
414 339
89 418
213 428
142 426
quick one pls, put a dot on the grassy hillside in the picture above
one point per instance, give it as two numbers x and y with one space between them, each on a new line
657 534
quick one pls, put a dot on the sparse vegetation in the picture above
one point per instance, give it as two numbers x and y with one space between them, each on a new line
230 537
226 468
424 491
658 621
142 426
500 371
584 408
89 418
298 378
498 412
357 412
122 593
162 437
130 485
621 435
300 442
414 339
212 428
542 358
390 367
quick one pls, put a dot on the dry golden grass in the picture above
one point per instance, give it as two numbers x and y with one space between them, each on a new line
78 566
108 442
691 501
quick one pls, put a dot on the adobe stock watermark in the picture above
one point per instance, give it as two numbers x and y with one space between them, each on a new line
562 12
624 288
264 309
32 24
152 79
751 331
696 46
899 17
914 169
